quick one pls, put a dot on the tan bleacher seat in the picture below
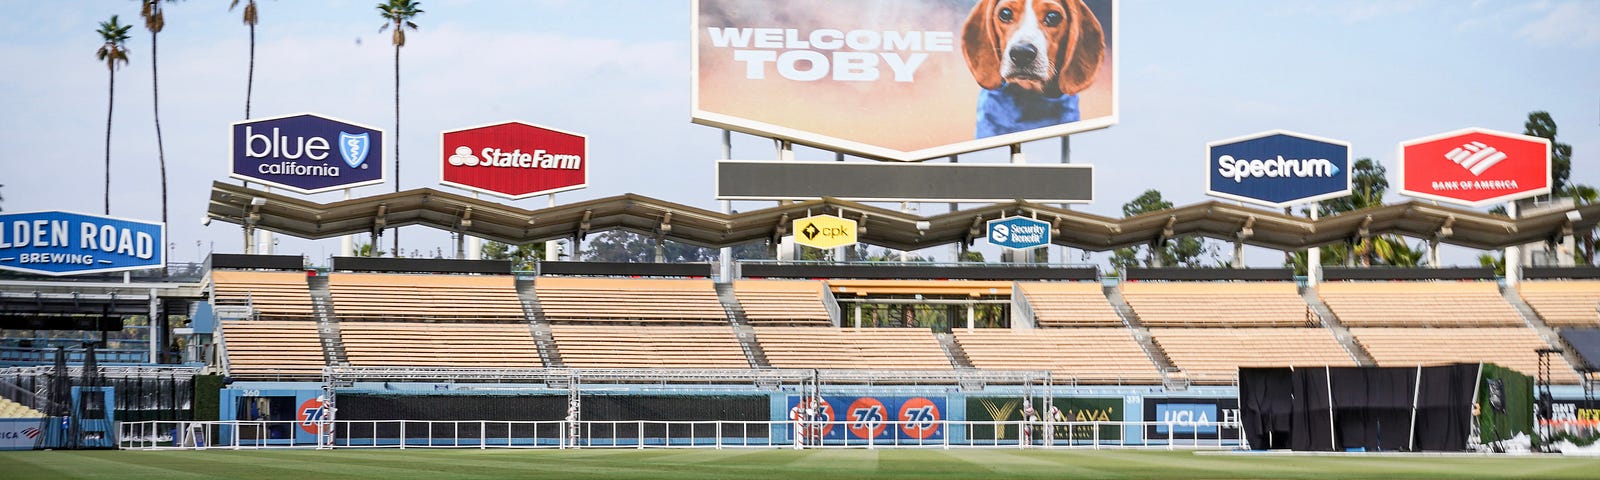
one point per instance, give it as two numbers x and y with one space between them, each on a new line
1511 347
1108 355
1218 304
851 348
1419 304
1214 355
1564 303
655 346
275 295
425 297
1076 304
629 300
441 344
265 348
10 409
782 302
971 288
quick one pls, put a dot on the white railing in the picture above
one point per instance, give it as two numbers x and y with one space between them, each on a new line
241 434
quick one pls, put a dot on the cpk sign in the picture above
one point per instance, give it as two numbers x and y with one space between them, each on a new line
825 231
1278 168
307 153
514 160
1475 167
65 243
1019 233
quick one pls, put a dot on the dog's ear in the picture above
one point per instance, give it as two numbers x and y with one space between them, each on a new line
1085 48
980 46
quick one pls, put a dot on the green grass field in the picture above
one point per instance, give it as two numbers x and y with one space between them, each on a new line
764 464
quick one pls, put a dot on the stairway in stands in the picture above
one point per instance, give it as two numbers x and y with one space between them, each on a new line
741 326
1340 332
538 326
953 351
1533 321
1171 375
327 323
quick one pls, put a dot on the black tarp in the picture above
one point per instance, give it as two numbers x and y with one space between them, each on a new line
1328 409
1586 341
1265 407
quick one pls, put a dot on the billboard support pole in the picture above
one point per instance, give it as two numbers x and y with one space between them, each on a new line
266 236
725 254
346 242
154 328
1314 256
1066 157
474 244
959 247
1513 253
1010 255
550 246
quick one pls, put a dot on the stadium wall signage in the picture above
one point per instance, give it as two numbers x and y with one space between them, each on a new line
824 231
1010 409
1190 418
1018 233
860 418
64 243
1475 167
1278 168
514 160
307 153
904 80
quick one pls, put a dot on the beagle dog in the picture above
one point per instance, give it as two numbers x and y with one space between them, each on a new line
1031 57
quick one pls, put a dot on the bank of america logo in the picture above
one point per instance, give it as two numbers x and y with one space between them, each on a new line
1476 157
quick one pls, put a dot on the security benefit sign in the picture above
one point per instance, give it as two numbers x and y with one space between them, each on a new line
307 153
514 160
905 80
1019 233
824 231
1278 168
65 243
860 418
1475 167
1190 418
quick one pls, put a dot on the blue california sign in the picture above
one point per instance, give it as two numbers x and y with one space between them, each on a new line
65 243
307 153
1278 168
1019 233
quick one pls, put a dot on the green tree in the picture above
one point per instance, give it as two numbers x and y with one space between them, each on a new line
366 250
114 51
397 14
1185 251
154 21
522 257
251 19
624 246
1368 184
1540 125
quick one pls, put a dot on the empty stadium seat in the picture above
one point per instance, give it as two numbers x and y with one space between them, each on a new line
1214 355
1076 304
852 348
430 297
1107 355
1419 304
1218 304
1570 304
655 346
782 302
273 295
449 344
272 349
1510 347
629 300
968 288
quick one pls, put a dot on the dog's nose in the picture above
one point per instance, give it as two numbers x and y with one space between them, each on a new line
1022 54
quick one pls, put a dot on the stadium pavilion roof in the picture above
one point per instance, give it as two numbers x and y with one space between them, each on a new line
878 226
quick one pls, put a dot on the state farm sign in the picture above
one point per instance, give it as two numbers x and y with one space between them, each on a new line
1475 167
514 160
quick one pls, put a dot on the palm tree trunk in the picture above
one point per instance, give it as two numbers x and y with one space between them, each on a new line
397 137
250 79
161 152
111 95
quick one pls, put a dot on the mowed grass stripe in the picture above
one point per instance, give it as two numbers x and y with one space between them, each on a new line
762 464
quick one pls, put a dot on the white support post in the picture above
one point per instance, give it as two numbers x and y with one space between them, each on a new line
972 317
155 327
725 254
474 244
265 237
550 246
1513 253
1314 257
347 244
1066 157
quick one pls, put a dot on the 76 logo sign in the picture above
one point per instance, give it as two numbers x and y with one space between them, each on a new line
867 418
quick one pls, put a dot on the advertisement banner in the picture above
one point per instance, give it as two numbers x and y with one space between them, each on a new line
307 153
1018 233
1475 167
21 434
514 160
66 243
1190 418
860 418
905 80
1011 409
824 231
1278 168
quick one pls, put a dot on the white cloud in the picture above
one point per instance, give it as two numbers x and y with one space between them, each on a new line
1568 24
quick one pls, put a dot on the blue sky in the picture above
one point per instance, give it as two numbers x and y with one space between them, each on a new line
1373 73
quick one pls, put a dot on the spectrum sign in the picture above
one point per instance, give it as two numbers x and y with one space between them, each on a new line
65 243
307 153
1278 168
1475 167
514 160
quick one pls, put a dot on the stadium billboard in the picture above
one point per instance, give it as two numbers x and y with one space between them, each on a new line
307 153
1011 409
824 231
904 80
65 243
1278 168
861 418
1190 418
1018 233
513 159
1475 167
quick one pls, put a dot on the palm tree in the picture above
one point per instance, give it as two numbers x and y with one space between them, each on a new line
397 14
114 51
250 79
155 21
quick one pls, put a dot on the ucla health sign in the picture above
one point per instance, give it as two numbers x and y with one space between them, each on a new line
1019 233
1278 168
307 153
65 243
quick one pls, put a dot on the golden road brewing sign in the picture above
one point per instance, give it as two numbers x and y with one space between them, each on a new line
825 231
